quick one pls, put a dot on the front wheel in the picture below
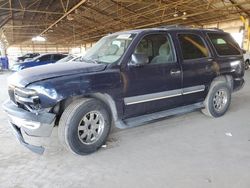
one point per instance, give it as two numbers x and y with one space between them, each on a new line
84 126
247 64
218 100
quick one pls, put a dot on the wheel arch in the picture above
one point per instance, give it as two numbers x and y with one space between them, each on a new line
223 78
103 97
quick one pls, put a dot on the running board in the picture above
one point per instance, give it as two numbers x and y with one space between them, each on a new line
144 119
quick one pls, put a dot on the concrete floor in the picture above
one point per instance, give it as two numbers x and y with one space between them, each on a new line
191 150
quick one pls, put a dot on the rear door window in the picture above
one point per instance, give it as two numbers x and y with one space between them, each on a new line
224 44
192 47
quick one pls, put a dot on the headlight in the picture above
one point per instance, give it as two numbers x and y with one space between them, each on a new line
26 96
24 92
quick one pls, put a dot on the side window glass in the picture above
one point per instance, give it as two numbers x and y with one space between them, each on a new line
157 48
192 46
45 58
57 57
224 44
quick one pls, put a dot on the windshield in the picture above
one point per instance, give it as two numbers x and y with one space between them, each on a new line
109 49
66 59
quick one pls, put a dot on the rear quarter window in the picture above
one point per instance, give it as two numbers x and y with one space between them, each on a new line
224 44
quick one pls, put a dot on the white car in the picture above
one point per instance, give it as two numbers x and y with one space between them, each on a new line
246 59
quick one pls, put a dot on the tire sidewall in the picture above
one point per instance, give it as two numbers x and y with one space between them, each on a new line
217 87
71 131
247 65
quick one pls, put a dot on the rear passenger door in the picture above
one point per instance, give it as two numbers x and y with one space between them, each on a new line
198 66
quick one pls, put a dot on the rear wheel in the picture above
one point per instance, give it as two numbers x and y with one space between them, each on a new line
217 100
84 126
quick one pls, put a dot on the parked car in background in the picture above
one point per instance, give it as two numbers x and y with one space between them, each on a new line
127 79
68 58
39 60
246 55
27 56
72 59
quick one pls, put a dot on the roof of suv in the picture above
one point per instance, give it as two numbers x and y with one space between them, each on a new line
171 28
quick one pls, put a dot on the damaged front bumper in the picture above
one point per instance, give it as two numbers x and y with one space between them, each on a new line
38 125
238 84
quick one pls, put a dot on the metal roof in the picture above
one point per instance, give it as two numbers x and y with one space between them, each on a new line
79 21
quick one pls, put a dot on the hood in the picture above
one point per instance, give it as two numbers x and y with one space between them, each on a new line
34 74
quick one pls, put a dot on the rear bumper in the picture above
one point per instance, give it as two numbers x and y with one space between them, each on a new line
39 125
238 84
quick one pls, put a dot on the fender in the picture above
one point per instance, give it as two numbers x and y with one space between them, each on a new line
105 85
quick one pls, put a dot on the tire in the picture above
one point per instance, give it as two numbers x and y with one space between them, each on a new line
84 126
218 95
246 64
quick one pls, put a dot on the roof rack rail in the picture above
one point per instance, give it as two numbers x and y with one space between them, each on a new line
173 26
214 28
177 26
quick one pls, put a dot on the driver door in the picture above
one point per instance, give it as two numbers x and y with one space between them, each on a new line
155 84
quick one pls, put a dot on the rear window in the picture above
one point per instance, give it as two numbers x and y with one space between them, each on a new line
224 44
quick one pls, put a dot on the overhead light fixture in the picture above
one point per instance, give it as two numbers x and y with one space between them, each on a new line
184 17
176 13
77 11
38 39
70 17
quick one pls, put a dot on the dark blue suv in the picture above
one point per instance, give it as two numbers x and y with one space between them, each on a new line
129 79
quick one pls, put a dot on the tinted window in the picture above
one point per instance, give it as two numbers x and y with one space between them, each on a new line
58 57
192 46
45 58
224 44
157 47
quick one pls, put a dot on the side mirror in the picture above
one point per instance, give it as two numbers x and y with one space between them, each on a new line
139 60
244 51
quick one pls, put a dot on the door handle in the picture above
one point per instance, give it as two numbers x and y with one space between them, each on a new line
175 71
